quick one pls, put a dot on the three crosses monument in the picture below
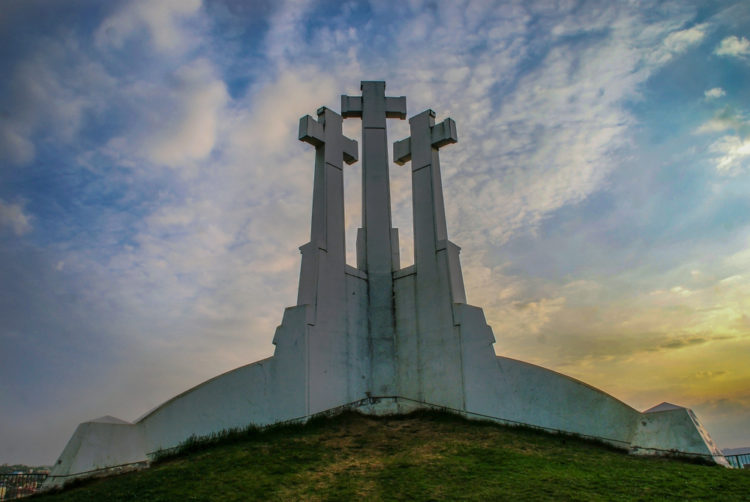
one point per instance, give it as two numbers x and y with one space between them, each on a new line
377 337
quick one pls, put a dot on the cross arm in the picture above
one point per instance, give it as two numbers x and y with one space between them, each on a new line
351 106
395 108
349 148
311 131
441 134
402 151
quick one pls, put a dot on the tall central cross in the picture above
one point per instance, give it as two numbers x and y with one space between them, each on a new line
377 246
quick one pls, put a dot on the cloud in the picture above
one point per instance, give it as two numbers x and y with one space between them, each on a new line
716 92
688 341
732 154
554 136
728 118
15 145
613 320
534 315
170 117
728 407
677 42
12 216
217 240
708 374
160 20
171 260
734 47
284 35
271 118
47 95
721 122
594 344
726 416
187 129
741 259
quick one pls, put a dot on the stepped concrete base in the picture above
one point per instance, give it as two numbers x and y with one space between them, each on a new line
526 395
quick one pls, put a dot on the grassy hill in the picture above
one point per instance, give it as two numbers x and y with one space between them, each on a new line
421 456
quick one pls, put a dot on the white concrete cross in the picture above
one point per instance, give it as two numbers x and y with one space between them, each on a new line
421 148
332 148
327 131
374 108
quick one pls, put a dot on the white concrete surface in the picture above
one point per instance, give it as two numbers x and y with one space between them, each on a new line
97 446
377 337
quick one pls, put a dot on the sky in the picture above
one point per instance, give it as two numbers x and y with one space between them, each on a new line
153 193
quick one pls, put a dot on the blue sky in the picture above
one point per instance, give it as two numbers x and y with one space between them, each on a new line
153 193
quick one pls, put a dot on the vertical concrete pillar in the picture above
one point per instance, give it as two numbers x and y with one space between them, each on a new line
436 290
376 237
322 287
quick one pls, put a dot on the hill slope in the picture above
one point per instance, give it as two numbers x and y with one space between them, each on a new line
422 456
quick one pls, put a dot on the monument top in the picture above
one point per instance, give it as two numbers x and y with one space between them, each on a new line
373 106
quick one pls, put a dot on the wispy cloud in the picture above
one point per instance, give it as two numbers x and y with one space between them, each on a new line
677 42
726 119
186 130
284 37
12 216
732 154
724 413
555 132
15 144
714 93
47 97
159 21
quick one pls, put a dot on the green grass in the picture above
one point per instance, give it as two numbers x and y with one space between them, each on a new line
422 456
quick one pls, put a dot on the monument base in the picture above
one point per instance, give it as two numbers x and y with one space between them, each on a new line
524 395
